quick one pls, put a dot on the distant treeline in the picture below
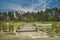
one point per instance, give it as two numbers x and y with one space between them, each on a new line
47 15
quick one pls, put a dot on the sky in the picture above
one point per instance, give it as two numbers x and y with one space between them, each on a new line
28 5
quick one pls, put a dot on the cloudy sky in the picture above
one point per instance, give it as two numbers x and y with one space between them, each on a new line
28 5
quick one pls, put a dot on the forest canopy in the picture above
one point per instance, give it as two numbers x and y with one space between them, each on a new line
47 15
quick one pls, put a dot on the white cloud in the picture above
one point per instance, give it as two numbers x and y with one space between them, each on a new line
19 8
40 5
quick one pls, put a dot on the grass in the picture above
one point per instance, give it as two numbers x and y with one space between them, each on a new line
18 24
11 36
44 22
14 37
7 33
